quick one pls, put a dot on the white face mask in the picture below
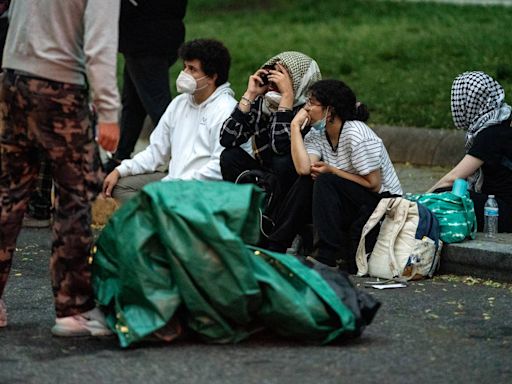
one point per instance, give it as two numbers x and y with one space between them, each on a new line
273 99
186 83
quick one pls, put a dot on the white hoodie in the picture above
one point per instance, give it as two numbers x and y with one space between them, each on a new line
190 134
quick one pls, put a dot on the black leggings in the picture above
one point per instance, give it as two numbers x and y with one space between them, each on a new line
338 208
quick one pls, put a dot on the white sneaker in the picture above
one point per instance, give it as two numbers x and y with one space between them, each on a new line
90 323
3 314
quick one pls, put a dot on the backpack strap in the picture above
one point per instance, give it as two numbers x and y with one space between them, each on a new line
402 209
373 220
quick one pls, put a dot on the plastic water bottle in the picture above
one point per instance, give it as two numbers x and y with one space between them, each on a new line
491 217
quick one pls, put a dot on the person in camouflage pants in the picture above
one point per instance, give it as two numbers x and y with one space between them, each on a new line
44 108
53 117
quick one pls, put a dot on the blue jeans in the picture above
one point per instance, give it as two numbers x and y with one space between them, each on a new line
146 91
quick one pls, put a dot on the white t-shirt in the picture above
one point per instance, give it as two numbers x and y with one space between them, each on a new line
360 151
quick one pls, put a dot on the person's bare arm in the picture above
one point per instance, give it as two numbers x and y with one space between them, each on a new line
466 167
301 159
371 181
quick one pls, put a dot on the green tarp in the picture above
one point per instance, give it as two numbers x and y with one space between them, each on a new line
182 248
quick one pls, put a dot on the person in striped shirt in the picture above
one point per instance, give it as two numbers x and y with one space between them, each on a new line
344 171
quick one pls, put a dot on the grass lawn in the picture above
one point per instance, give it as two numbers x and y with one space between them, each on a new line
400 58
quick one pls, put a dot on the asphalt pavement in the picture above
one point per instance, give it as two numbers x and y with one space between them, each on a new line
447 330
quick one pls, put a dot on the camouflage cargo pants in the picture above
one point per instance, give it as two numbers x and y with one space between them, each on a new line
52 117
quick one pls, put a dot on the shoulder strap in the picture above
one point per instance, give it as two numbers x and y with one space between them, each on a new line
376 216
402 209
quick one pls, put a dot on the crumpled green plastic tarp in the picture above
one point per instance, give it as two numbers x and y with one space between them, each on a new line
184 245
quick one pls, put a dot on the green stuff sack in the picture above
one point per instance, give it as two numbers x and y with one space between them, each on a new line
456 214
181 251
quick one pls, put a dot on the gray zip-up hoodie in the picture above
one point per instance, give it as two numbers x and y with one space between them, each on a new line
68 41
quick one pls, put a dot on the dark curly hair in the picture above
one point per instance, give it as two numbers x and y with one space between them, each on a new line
212 54
336 94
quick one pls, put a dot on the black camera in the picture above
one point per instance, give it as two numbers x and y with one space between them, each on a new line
264 79
264 76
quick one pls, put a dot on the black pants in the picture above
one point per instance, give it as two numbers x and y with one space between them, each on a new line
146 91
338 208
234 161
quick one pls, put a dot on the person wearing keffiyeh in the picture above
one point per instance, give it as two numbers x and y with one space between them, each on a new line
257 134
478 106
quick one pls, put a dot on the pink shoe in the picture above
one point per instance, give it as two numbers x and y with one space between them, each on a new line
3 314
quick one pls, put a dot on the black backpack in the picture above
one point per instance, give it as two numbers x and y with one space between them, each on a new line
269 183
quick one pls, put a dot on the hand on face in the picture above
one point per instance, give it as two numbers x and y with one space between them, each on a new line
255 86
281 80
278 80
300 120
319 167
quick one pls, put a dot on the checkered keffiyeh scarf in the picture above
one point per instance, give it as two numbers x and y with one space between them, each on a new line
303 70
477 102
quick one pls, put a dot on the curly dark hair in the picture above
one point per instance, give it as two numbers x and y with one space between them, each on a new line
338 95
212 54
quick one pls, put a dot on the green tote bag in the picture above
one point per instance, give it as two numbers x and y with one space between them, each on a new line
456 214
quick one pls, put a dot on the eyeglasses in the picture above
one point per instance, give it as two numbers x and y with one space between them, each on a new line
311 104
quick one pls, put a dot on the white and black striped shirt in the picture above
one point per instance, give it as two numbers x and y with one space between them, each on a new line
359 151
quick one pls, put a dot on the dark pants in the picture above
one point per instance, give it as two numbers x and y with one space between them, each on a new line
146 91
479 199
234 161
338 208
293 215
42 115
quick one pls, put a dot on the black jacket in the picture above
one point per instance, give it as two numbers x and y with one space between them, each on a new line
152 27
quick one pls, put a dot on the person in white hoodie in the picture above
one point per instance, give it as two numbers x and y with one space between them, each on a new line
189 130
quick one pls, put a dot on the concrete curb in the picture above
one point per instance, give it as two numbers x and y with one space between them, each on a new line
483 258
422 146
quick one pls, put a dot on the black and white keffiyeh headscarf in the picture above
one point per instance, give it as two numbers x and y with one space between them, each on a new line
477 102
303 70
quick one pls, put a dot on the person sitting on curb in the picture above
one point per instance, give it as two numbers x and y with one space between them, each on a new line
344 171
150 34
478 107
262 118
189 129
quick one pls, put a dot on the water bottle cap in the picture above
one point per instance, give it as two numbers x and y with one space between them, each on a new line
491 196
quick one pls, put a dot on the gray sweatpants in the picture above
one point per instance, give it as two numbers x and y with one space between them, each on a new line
128 186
